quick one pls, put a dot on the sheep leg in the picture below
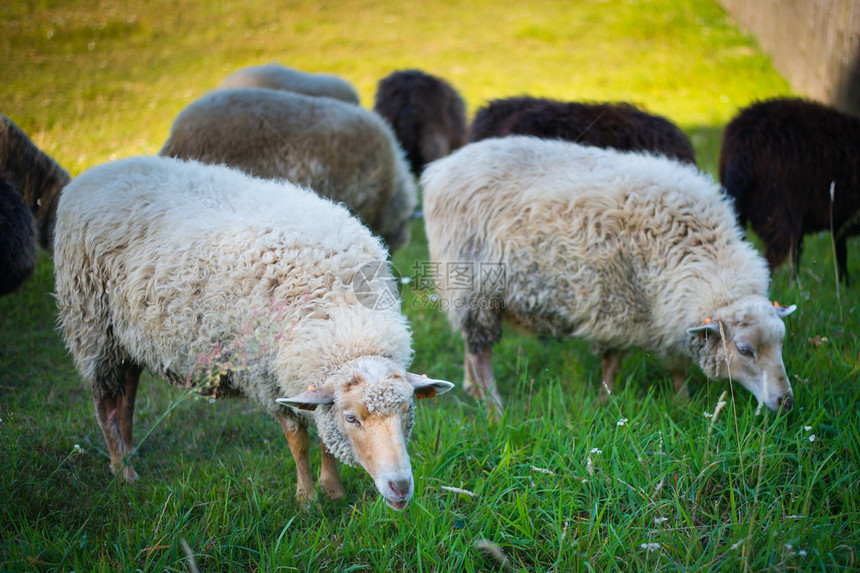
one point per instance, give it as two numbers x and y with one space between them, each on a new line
479 380
611 363
796 251
330 480
679 380
125 406
115 415
470 377
300 447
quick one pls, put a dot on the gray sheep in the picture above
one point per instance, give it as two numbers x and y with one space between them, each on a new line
279 77
341 151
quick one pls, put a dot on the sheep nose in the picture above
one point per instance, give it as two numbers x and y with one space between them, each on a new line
786 402
400 487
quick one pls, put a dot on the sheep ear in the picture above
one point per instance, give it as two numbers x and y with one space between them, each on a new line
706 329
309 399
427 387
783 311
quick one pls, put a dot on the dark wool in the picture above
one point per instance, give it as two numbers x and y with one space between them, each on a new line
17 239
427 114
34 174
618 125
778 160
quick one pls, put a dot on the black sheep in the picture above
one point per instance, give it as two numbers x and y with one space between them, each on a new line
778 161
35 175
427 115
17 239
619 125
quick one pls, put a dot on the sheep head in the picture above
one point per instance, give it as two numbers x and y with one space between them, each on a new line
743 341
365 413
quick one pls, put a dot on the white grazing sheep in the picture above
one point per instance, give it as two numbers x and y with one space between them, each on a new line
341 151
34 174
206 276
276 76
625 249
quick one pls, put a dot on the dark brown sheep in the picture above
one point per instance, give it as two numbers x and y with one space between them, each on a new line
37 177
778 161
427 114
17 239
618 125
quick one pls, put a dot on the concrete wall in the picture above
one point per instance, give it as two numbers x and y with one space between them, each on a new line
814 44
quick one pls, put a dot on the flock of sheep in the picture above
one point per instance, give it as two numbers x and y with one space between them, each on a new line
236 260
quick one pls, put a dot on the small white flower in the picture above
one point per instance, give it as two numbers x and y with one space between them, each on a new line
807 428
812 438
660 520
597 451
802 552
78 449
650 546
708 415
622 421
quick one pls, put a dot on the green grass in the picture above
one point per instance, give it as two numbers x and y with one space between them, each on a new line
91 81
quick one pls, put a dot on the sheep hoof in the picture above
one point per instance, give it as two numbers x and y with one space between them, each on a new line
126 474
129 475
682 396
471 388
306 500
333 491
603 395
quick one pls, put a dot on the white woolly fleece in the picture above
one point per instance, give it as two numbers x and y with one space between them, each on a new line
181 267
623 249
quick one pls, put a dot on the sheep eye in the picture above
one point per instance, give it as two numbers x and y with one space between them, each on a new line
744 349
351 419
